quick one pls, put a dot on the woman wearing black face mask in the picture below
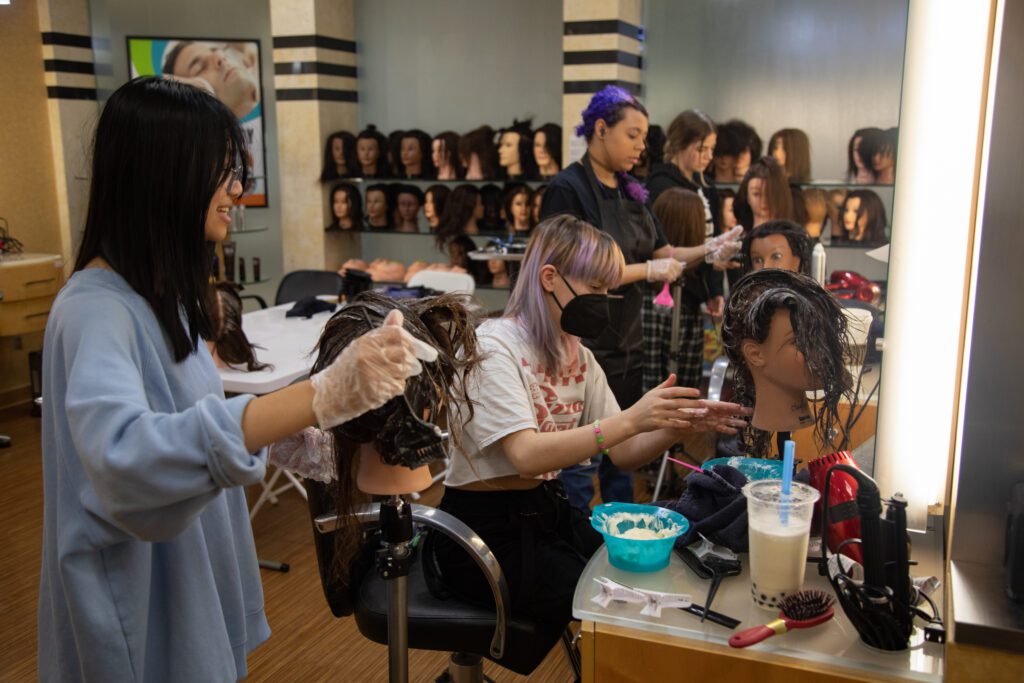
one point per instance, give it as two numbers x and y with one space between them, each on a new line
542 403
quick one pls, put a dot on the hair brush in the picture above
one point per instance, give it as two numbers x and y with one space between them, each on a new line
799 610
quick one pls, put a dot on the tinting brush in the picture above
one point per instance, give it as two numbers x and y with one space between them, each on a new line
799 610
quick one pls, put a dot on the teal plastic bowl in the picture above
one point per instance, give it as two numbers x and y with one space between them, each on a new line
754 469
635 555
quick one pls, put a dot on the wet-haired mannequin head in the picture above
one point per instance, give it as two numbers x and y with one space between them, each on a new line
434 200
515 151
339 156
444 153
763 195
371 153
863 217
346 208
415 158
792 150
785 335
378 207
408 200
478 154
777 244
547 150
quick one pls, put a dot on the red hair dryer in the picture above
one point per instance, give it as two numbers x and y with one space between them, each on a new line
844 520
846 284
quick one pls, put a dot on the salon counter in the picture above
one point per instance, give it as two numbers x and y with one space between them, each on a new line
619 644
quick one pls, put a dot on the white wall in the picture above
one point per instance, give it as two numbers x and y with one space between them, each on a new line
828 67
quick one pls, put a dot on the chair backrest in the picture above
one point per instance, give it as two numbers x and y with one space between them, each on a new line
443 281
300 284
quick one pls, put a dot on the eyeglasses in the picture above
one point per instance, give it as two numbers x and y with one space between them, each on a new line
234 173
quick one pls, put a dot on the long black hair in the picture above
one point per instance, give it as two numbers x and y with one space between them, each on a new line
348 150
161 150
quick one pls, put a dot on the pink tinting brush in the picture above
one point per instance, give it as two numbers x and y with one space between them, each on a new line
664 298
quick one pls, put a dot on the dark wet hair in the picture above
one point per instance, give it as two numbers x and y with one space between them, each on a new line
233 347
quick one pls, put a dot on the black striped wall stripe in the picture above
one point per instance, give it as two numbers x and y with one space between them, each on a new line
315 41
588 87
75 40
295 68
68 66
581 28
63 92
602 57
322 94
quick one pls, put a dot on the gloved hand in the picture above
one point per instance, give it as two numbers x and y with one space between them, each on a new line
724 246
664 270
368 373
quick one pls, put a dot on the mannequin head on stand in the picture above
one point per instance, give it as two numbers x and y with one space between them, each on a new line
478 154
433 204
346 208
378 207
415 157
863 216
792 150
547 150
777 244
515 151
615 127
444 153
786 335
858 168
462 211
737 146
386 451
371 153
690 143
340 156
518 209
763 195
878 152
408 200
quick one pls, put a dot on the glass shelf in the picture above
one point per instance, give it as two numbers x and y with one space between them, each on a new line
824 184
244 231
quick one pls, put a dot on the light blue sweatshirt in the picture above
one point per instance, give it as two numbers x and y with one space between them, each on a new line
149 570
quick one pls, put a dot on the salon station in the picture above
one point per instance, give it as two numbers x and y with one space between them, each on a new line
466 340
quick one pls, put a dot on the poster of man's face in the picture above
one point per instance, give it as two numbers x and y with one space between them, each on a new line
227 69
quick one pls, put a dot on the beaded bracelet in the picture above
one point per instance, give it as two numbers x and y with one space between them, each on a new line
600 437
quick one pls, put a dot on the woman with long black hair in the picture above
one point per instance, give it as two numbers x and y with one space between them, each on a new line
149 570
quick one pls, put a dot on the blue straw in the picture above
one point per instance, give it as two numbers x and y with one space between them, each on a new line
789 454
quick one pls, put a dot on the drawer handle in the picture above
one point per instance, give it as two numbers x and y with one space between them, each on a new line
40 282
37 315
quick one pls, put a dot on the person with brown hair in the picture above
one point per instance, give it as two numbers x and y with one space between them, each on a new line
792 150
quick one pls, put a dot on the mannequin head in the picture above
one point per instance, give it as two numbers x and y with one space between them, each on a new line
681 214
444 154
691 143
763 195
394 152
615 127
340 156
371 146
408 200
492 198
444 322
478 154
462 210
816 208
515 151
378 207
654 152
415 157
433 204
518 208
777 244
786 335
547 149
538 199
499 273
727 201
792 150
863 216
737 145
878 152
346 208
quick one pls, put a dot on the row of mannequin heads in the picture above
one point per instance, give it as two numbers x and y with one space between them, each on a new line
390 271
460 210
517 152
725 151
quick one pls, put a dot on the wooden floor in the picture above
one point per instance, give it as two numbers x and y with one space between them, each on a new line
308 643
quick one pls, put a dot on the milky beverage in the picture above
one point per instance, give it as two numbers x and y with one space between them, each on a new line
778 549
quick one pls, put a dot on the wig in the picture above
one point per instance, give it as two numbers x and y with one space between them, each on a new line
552 141
449 153
796 237
480 142
348 150
820 334
724 194
681 214
527 164
437 395
776 191
538 199
798 153
355 206
609 104
229 340
427 169
872 211
383 168
511 192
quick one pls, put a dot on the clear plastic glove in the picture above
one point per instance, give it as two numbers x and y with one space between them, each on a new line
369 372
664 270
724 246
309 454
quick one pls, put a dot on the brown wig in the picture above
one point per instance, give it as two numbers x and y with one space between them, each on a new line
681 213
480 142
437 394
820 333
798 153
230 342
776 190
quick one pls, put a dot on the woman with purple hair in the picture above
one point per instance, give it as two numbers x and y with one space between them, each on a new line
599 190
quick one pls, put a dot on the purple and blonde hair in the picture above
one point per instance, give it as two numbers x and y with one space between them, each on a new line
609 104
577 250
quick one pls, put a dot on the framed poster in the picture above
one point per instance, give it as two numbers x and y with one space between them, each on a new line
228 68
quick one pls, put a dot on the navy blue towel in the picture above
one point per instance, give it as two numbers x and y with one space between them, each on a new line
308 307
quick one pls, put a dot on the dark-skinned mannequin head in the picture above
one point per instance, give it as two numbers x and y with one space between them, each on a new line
615 127
371 154
777 244
478 154
444 154
408 200
415 158
515 151
379 207
518 208
346 208
763 195
863 217
434 200
792 150
690 143
547 150
785 335
340 156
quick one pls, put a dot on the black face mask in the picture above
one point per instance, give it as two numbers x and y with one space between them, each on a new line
586 315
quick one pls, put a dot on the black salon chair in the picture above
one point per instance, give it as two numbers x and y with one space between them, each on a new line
469 632
300 284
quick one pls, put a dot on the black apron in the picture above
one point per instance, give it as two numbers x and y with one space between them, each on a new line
619 350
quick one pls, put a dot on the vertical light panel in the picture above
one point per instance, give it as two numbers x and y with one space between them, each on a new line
942 120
